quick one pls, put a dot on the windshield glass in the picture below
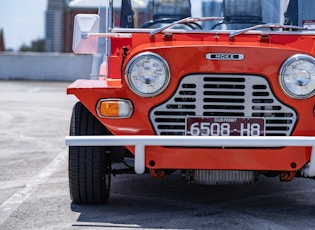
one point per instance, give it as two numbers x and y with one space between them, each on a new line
237 14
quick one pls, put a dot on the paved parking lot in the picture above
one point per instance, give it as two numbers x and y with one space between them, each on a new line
34 119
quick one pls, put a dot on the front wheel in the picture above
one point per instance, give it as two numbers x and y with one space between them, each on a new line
89 167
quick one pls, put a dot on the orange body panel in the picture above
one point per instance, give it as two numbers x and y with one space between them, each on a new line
185 54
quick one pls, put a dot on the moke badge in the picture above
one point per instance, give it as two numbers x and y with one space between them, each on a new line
224 56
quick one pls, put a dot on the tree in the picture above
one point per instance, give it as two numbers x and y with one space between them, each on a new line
36 46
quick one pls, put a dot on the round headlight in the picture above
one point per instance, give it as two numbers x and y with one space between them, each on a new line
297 76
147 74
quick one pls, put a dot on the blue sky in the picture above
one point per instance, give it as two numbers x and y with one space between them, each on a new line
22 21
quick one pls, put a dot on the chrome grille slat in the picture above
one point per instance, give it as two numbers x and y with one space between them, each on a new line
223 95
273 125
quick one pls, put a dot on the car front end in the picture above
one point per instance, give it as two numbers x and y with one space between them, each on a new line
222 106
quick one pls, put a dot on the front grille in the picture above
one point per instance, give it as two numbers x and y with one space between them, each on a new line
223 96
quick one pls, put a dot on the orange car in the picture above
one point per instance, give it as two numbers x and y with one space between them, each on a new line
221 91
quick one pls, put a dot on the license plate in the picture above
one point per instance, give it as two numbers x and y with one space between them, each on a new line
225 126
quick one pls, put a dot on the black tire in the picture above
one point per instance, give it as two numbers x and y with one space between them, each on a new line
89 167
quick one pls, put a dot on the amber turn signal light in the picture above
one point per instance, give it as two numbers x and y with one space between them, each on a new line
114 108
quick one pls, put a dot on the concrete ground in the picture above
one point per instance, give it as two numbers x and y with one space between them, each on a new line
34 119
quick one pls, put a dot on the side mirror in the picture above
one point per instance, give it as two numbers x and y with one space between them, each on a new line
85 24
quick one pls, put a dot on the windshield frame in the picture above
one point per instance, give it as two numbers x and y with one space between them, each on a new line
110 27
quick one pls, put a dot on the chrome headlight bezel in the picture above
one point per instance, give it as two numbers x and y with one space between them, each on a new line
156 87
300 85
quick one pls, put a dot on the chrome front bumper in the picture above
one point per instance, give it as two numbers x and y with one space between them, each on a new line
231 141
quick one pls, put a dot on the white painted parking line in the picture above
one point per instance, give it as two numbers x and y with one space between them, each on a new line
109 226
11 204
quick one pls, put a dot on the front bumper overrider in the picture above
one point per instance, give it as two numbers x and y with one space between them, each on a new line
140 142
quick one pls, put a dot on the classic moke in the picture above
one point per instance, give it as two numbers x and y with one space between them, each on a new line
220 91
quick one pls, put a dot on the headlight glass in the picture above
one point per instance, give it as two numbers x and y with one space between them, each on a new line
297 76
147 74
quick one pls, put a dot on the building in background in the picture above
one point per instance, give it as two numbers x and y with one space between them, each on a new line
59 22
60 15
2 48
54 25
